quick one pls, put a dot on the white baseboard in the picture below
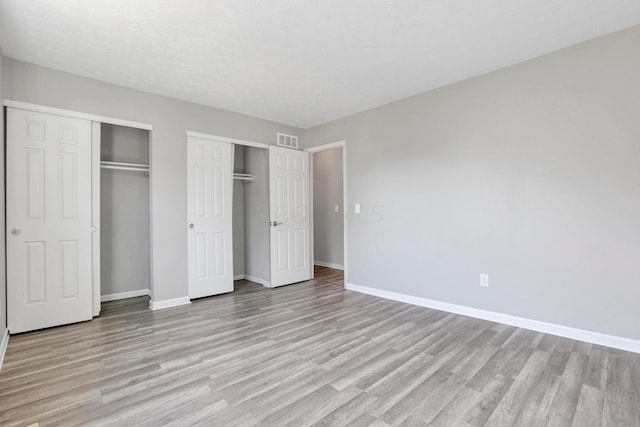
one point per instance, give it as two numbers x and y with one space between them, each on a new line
613 341
168 303
125 295
258 280
238 277
3 346
329 265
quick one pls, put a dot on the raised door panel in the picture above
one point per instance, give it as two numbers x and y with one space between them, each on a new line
68 185
36 280
69 270
200 191
202 256
35 183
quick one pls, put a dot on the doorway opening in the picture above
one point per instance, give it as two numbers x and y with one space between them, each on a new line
329 209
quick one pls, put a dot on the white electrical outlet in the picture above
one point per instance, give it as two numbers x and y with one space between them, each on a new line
336 208
357 208
484 280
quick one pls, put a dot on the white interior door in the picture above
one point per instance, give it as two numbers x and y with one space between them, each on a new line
209 211
289 211
49 263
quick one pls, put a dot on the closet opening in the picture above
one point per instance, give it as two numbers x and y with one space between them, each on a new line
248 214
251 246
125 249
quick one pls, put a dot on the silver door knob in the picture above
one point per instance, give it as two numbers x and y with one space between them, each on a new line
276 223
16 232
192 226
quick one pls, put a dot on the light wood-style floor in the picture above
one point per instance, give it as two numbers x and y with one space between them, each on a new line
310 353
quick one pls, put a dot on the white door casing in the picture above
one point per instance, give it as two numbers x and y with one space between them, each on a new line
289 207
95 203
49 256
209 214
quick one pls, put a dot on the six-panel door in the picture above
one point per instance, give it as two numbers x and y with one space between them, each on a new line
209 212
290 219
48 220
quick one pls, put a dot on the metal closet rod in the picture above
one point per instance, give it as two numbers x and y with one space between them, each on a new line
124 166
244 177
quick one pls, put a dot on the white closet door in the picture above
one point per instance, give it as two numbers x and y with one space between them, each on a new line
290 220
49 263
210 202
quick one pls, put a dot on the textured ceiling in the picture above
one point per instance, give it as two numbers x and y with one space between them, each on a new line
297 62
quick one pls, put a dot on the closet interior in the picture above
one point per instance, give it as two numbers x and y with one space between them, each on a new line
124 212
251 215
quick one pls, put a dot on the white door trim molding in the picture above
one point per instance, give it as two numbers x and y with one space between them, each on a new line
325 147
75 114
227 139
4 343
95 214
613 341
330 146
168 303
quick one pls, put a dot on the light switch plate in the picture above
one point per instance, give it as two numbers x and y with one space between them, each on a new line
357 208
484 280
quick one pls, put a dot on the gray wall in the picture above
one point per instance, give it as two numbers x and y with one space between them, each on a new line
124 212
256 215
170 119
530 174
3 282
328 225
238 213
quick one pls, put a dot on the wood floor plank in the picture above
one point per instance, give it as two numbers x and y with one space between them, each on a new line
312 407
618 409
348 412
309 354
535 408
589 408
454 411
491 396
565 400
513 402
596 374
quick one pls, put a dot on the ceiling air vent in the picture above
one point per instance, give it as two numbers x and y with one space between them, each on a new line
288 141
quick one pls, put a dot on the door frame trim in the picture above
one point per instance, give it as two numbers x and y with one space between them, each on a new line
75 114
330 146
96 141
227 139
